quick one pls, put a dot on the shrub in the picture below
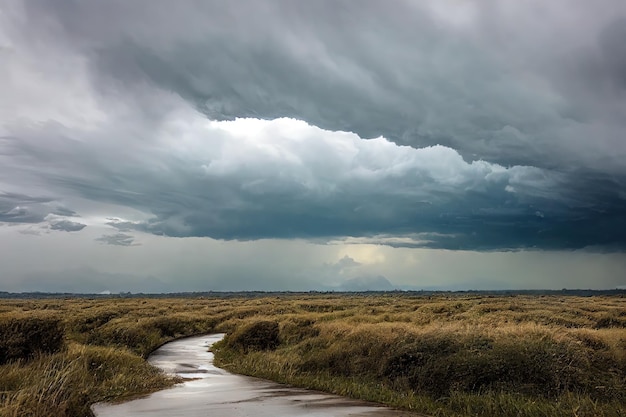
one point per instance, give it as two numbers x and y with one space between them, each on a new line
94 320
296 330
532 364
181 325
258 335
608 321
23 338
137 337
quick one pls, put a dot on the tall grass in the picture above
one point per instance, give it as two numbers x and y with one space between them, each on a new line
22 337
61 357
451 357
440 355
66 383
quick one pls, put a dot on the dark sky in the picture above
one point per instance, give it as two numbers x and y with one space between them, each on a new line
336 130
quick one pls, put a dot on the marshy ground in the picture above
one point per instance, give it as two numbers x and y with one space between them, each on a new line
444 355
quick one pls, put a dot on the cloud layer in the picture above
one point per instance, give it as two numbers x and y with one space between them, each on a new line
530 84
253 179
428 124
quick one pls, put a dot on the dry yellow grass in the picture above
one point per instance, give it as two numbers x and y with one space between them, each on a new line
444 355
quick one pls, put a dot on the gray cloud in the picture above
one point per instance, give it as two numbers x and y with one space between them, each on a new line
367 283
118 239
18 208
88 280
64 211
253 179
31 231
513 124
349 275
346 262
512 83
66 225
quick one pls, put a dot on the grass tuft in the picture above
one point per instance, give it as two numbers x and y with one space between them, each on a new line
25 337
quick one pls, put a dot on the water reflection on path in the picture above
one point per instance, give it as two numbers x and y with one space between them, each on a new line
216 392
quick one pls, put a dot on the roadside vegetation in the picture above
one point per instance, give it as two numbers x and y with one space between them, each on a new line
442 355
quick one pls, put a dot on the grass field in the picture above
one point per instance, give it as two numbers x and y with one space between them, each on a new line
441 355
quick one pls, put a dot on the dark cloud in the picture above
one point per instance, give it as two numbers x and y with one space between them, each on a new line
24 209
503 122
254 179
20 208
118 239
66 225
64 211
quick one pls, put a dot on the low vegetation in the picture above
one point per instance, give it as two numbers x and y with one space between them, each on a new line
254 336
25 337
66 383
440 355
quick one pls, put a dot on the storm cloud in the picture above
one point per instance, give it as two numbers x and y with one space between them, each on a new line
252 179
481 126
500 81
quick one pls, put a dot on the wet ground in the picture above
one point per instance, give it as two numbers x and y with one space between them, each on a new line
218 393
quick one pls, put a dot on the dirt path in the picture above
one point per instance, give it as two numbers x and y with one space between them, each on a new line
216 392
